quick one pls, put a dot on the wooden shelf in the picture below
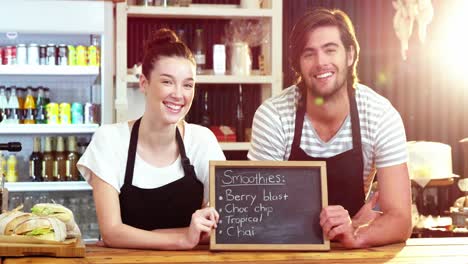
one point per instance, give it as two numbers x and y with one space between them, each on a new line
38 129
270 85
198 11
47 186
132 80
48 70
233 146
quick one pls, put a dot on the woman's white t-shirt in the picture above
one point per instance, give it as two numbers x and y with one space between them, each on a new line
106 157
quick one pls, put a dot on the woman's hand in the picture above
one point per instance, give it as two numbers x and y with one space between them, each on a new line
202 222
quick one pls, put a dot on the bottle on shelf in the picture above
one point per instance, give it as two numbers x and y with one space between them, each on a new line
60 162
41 115
81 148
181 34
240 126
29 108
46 96
72 160
2 164
219 59
13 106
199 50
94 51
3 105
20 95
11 175
35 161
205 116
48 160
185 3
3 195
3 190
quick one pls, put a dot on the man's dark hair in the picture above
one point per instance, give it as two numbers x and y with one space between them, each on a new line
318 18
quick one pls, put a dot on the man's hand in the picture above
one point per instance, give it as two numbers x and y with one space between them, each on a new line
337 224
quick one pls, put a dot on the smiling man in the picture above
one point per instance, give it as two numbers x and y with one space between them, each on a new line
327 115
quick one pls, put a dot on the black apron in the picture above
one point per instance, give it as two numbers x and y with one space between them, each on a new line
169 206
345 170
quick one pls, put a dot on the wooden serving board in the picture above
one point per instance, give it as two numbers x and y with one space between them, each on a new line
76 249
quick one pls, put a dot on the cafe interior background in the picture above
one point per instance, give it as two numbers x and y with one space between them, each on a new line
427 84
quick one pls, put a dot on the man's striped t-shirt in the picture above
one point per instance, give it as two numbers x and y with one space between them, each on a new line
382 132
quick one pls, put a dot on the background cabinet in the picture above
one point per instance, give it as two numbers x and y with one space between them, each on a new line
73 23
134 23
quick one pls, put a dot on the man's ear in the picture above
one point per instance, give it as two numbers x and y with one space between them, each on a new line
143 83
350 53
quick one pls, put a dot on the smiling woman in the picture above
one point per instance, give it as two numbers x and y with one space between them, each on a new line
151 191
169 89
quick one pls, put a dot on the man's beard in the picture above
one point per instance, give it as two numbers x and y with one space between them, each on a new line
328 94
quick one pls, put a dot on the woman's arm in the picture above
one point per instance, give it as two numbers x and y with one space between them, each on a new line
119 235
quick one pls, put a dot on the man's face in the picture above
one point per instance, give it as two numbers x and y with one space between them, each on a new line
324 62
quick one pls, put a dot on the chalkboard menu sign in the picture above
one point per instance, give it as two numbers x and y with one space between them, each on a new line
268 205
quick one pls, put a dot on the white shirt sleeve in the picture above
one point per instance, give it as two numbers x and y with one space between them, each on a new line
102 157
202 146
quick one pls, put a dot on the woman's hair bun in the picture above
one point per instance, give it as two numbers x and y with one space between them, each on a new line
163 43
161 37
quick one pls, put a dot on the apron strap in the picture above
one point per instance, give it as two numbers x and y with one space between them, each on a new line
132 152
355 124
189 170
299 123
183 155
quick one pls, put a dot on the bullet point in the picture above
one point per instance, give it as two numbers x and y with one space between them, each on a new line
220 231
220 210
220 198
220 221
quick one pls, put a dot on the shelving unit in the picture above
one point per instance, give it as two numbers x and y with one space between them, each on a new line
234 146
48 70
202 11
45 129
271 83
67 83
47 186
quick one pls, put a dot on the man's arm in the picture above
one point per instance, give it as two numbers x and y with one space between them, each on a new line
392 225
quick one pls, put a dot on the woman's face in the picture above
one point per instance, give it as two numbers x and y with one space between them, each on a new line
170 90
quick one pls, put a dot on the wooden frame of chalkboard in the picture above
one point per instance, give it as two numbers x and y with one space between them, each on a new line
268 205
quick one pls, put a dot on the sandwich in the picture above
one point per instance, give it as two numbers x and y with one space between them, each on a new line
47 228
55 210
61 213
9 221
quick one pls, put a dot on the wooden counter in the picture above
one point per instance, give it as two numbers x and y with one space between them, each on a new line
418 250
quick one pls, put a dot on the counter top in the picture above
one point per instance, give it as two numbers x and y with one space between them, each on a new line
416 250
